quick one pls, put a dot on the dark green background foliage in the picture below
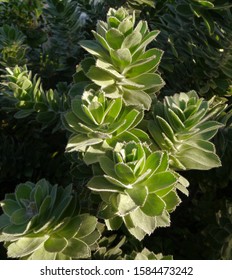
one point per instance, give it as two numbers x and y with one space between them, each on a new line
196 38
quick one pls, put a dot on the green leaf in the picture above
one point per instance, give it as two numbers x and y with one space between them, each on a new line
148 80
25 246
44 208
44 188
143 221
53 193
153 161
132 40
114 38
55 244
154 205
121 58
23 191
137 98
202 145
124 172
114 223
71 123
125 26
71 228
26 83
140 134
117 182
149 3
109 68
101 184
137 232
107 165
182 185
125 205
92 238
113 110
207 4
112 22
146 63
93 48
106 211
11 231
77 249
23 113
80 142
195 158
166 128
93 154
76 107
162 193
164 163
145 41
172 200
209 22
129 119
40 195
20 217
138 194
102 27
87 225
64 208
175 121
41 254
163 220
159 181
97 111
100 77
102 41
4 221
207 130
156 133
9 206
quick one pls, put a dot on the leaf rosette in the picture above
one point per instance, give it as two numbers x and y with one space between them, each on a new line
96 120
29 97
42 222
183 126
137 188
12 47
123 65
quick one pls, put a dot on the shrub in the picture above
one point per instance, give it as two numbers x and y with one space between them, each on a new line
132 148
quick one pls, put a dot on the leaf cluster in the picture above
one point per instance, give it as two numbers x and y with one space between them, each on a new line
146 115
196 39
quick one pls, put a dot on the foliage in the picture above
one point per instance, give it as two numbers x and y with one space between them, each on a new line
127 125
64 21
137 189
96 120
21 11
41 221
29 96
123 66
12 46
196 39
181 125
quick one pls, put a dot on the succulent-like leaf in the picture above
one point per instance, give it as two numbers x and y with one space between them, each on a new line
96 119
30 98
46 223
137 186
122 46
182 126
